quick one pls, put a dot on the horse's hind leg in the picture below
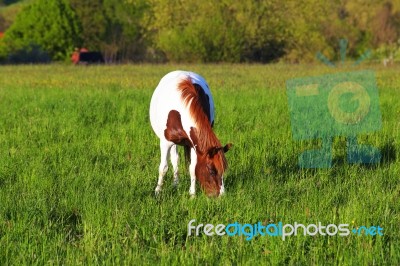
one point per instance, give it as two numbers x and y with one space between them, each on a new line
162 170
174 160
192 170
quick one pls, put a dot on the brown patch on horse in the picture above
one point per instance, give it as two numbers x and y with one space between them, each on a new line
176 134
174 131
208 169
207 174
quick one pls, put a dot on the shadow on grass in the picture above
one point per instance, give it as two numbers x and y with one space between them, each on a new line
388 156
282 168
289 165
388 153
69 222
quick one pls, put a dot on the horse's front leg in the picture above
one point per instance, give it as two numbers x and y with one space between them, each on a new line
163 168
175 160
192 170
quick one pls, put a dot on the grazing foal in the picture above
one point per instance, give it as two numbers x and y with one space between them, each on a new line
182 113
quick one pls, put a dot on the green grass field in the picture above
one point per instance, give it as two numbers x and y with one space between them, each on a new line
79 164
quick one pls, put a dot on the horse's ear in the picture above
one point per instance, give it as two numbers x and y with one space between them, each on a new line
227 147
214 150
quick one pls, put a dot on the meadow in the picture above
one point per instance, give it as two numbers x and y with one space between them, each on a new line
79 165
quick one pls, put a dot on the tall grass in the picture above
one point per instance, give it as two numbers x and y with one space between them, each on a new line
79 160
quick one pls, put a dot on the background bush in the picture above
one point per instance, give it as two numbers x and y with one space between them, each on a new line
195 31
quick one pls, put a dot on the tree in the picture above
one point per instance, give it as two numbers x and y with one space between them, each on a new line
195 31
123 38
92 20
263 32
2 23
50 25
112 26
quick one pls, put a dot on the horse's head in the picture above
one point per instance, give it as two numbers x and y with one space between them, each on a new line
210 168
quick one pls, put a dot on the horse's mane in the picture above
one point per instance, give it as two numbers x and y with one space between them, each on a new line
199 108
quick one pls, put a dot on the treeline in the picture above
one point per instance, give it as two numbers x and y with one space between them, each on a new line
202 31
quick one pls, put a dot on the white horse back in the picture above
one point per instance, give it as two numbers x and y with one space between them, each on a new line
167 97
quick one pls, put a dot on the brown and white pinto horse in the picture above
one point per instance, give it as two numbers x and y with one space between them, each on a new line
182 113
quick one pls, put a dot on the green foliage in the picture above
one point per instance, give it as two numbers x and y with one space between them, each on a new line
205 31
213 31
217 31
2 23
123 38
51 25
93 23
8 13
112 27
